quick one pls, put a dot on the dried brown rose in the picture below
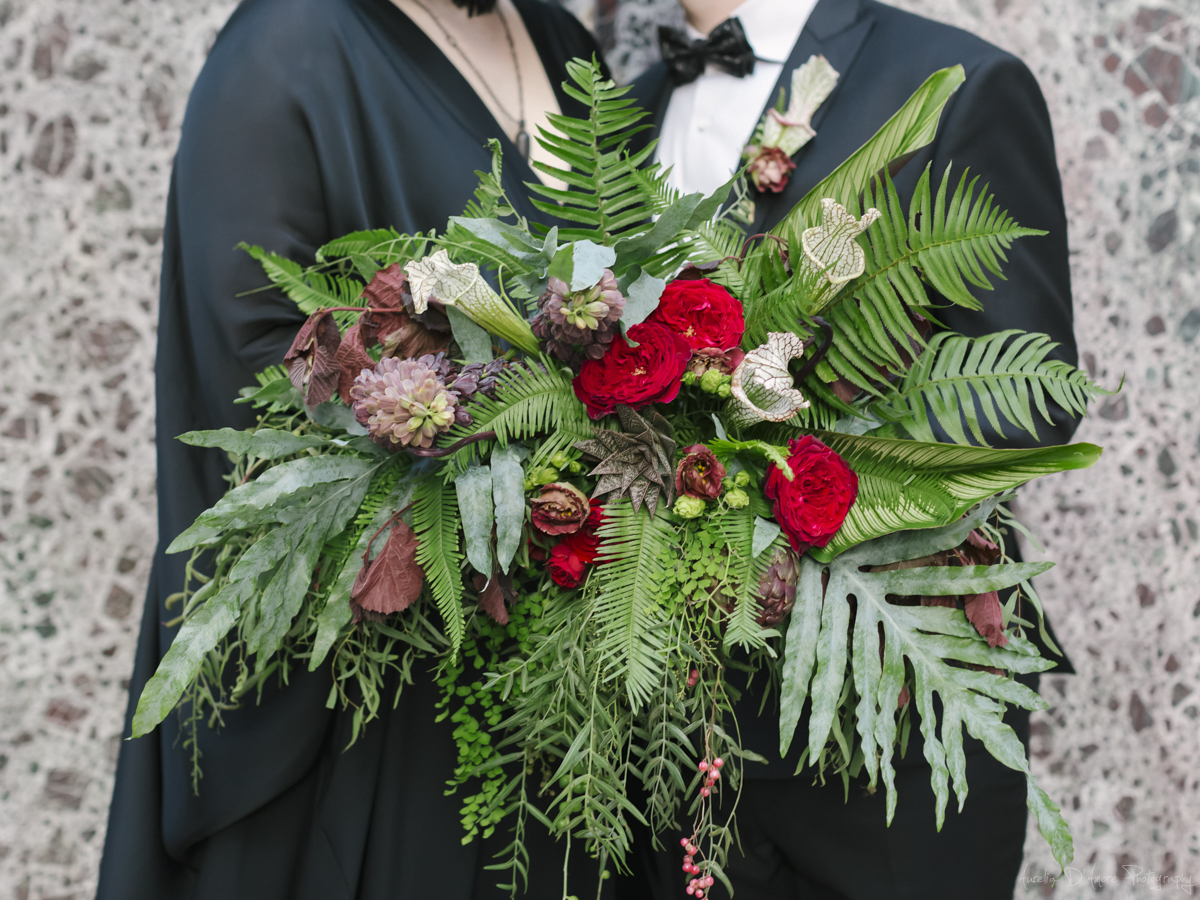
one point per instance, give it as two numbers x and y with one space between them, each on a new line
710 358
699 473
770 169
561 508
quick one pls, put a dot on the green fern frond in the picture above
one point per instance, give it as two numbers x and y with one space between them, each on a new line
952 243
743 575
435 523
531 398
1006 374
627 584
605 195
309 288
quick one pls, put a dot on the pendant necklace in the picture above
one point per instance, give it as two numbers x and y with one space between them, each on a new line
522 138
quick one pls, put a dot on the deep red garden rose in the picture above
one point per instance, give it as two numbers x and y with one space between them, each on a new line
771 169
702 312
812 506
699 473
634 376
570 558
566 567
559 508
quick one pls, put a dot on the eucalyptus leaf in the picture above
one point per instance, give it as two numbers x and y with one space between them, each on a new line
508 494
666 228
641 298
474 488
765 533
581 263
472 339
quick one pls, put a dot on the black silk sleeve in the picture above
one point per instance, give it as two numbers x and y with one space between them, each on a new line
998 127
246 171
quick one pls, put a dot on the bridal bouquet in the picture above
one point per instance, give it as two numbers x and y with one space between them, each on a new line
578 474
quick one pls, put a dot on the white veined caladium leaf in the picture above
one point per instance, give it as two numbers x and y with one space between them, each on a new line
790 130
462 286
762 387
831 248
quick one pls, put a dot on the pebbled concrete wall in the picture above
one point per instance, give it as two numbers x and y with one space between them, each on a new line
91 95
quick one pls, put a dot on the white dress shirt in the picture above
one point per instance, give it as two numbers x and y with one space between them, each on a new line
710 121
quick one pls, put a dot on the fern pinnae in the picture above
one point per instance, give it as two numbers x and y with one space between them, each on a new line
436 524
1007 375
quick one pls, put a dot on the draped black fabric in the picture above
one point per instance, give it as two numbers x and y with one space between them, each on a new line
807 841
311 119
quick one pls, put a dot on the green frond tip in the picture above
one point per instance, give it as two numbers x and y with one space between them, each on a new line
911 128
435 522
1008 376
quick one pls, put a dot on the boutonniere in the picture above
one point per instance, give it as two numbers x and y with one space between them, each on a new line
785 129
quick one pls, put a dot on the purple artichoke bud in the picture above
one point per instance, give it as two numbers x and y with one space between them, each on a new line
777 589
403 402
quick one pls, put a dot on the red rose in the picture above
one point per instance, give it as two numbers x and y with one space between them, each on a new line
812 506
699 473
570 558
771 169
566 567
634 376
560 508
703 313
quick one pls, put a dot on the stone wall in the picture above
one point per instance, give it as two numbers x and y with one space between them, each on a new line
91 95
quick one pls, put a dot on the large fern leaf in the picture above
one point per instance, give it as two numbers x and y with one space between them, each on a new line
435 523
1006 374
604 194
906 484
626 588
933 640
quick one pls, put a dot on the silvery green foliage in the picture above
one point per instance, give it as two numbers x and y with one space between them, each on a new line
929 639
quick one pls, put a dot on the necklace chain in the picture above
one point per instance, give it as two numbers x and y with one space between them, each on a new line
522 139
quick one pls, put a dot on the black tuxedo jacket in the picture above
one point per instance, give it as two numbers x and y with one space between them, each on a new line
996 124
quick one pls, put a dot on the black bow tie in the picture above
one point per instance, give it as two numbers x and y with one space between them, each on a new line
726 46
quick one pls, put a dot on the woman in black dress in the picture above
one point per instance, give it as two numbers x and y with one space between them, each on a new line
312 119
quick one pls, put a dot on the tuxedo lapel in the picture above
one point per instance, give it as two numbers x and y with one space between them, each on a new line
836 30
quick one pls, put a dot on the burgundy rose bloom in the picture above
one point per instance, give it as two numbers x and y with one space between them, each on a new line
771 169
722 361
702 312
812 506
561 508
570 558
699 473
634 376
566 567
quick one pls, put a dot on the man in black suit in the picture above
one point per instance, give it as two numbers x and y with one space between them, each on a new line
803 841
